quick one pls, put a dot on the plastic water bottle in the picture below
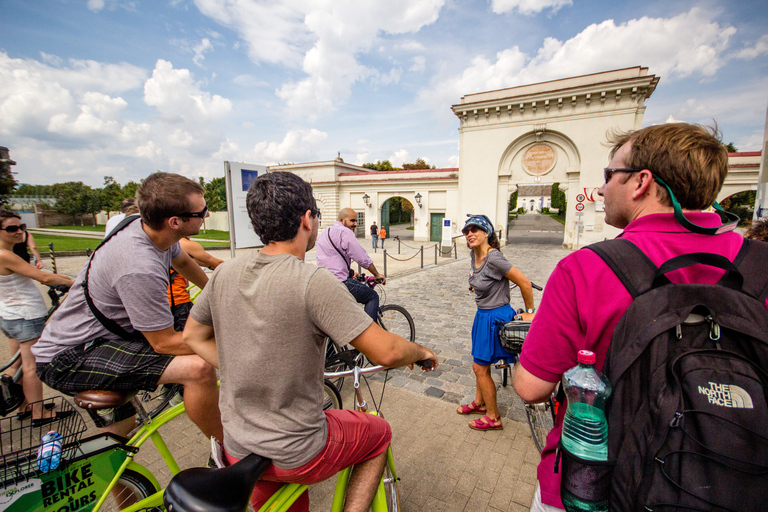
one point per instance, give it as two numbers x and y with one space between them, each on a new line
49 453
585 428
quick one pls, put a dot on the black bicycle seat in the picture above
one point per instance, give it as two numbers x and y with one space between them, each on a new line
102 398
215 490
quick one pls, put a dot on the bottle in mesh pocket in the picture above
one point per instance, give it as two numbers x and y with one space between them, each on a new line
512 335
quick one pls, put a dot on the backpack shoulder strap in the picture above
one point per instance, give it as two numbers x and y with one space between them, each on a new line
752 262
108 323
634 269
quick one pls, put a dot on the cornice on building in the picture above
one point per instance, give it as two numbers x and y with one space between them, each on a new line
551 99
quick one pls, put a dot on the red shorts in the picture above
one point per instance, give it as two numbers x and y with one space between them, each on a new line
353 437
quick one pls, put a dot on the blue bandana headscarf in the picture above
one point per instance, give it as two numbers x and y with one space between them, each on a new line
480 221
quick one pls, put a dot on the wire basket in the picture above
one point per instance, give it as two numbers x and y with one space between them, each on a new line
512 335
19 442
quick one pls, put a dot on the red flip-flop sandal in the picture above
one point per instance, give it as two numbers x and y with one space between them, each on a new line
471 408
486 423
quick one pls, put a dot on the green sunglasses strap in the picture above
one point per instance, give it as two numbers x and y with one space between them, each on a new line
730 220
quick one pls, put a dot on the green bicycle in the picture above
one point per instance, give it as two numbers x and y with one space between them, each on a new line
229 489
95 474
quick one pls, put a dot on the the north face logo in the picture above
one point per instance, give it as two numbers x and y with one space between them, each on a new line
727 395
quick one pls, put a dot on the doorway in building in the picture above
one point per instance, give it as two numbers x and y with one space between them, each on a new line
436 226
397 217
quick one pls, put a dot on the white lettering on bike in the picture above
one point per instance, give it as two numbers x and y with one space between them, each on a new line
727 395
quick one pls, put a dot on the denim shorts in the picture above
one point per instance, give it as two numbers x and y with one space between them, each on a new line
22 330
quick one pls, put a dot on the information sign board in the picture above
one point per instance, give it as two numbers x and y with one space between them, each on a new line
238 177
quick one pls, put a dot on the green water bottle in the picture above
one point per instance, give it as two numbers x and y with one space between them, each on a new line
585 428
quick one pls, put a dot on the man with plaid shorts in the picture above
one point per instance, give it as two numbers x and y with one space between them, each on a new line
263 320
127 282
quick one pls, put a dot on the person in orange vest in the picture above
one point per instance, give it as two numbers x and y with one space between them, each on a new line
178 296
382 235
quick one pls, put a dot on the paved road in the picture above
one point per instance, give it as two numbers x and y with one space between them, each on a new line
533 228
444 466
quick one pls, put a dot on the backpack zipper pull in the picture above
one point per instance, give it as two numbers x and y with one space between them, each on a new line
675 421
714 330
679 331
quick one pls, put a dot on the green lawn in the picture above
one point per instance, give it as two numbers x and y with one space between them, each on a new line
71 243
99 228
558 218
214 234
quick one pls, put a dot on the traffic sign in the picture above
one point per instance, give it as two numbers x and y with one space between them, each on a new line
579 207
581 198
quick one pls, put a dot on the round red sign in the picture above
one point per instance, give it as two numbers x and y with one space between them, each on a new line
580 198
579 207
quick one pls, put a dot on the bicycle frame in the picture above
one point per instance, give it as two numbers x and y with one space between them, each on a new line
103 459
289 493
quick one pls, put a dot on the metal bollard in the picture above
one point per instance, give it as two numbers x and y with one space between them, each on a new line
435 254
385 263
53 257
422 256
455 251
398 246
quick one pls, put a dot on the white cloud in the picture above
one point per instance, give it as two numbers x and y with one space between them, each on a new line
176 94
362 156
528 7
410 46
419 64
400 157
296 146
760 48
681 46
323 37
200 49
249 81
95 5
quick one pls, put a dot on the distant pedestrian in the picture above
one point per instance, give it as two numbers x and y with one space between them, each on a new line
127 207
382 235
374 235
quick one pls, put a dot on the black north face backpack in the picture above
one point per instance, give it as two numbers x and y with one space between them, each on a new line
688 417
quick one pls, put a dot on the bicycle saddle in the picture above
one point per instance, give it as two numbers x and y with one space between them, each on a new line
215 490
102 398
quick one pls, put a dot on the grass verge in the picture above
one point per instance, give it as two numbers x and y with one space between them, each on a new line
558 218
72 243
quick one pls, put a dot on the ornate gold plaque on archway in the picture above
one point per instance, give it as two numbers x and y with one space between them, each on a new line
539 159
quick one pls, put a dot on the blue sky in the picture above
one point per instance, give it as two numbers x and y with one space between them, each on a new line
94 88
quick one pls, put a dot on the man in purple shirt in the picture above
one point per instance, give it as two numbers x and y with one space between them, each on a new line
337 247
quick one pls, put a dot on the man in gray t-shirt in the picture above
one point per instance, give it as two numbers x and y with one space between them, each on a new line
262 320
128 284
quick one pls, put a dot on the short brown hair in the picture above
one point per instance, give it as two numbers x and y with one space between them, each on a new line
8 214
690 158
162 195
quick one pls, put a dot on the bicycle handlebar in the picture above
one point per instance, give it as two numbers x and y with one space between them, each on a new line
358 370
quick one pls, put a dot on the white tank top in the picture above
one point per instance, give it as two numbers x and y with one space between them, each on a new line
20 298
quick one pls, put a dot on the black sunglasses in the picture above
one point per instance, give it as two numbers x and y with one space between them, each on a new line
200 215
13 229
608 172
471 229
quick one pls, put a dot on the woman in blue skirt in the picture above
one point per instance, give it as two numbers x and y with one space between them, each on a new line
489 277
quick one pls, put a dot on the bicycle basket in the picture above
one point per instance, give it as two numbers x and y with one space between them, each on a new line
11 395
19 443
512 335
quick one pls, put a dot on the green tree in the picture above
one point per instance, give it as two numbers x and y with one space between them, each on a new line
419 164
129 189
741 203
112 195
215 194
7 182
512 203
731 148
75 198
558 199
386 165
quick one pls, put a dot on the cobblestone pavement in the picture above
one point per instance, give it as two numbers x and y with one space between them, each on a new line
443 310
443 465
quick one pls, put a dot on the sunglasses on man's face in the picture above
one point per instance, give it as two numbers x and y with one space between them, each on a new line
608 172
13 229
199 215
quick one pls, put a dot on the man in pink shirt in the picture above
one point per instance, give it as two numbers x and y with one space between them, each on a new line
337 248
584 299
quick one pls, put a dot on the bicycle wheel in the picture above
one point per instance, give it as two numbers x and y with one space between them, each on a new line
332 397
541 419
158 400
396 319
135 487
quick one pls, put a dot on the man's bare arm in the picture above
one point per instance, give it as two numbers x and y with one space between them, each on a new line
531 388
389 349
167 341
185 266
199 254
201 340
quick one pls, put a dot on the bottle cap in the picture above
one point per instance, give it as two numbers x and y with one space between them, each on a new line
586 357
